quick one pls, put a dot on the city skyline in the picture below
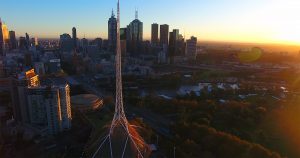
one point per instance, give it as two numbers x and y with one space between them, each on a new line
225 20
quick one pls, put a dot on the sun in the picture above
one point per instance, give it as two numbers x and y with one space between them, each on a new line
283 19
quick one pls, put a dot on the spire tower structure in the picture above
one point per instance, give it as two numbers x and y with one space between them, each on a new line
112 13
122 140
136 14
1 40
119 116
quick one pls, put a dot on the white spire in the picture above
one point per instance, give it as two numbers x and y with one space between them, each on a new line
119 120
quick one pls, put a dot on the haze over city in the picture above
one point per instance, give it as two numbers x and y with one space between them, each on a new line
255 21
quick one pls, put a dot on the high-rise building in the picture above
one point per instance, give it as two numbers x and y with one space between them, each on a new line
22 43
27 41
12 40
135 35
19 87
162 55
176 44
1 40
65 106
123 33
41 106
191 48
74 37
28 59
98 42
123 38
31 79
154 34
39 68
105 44
84 44
5 34
66 43
2 72
34 42
173 39
180 46
112 32
50 107
172 42
164 35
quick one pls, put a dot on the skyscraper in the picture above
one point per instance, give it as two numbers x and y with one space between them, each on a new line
123 38
123 33
5 34
164 34
66 43
12 40
22 43
2 72
180 46
112 32
1 40
74 37
98 42
135 34
19 87
65 106
174 37
84 45
191 48
50 107
154 34
27 40
35 41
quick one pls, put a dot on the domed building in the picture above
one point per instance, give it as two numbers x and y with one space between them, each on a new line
86 102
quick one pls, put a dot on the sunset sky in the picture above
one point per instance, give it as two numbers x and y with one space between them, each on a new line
262 21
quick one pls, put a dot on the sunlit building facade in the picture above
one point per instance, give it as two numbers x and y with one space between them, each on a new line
34 41
5 36
65 105
50 107
1 40
19 86
31 78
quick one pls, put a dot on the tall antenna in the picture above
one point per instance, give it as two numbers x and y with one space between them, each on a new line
136 13
120 128
112 12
